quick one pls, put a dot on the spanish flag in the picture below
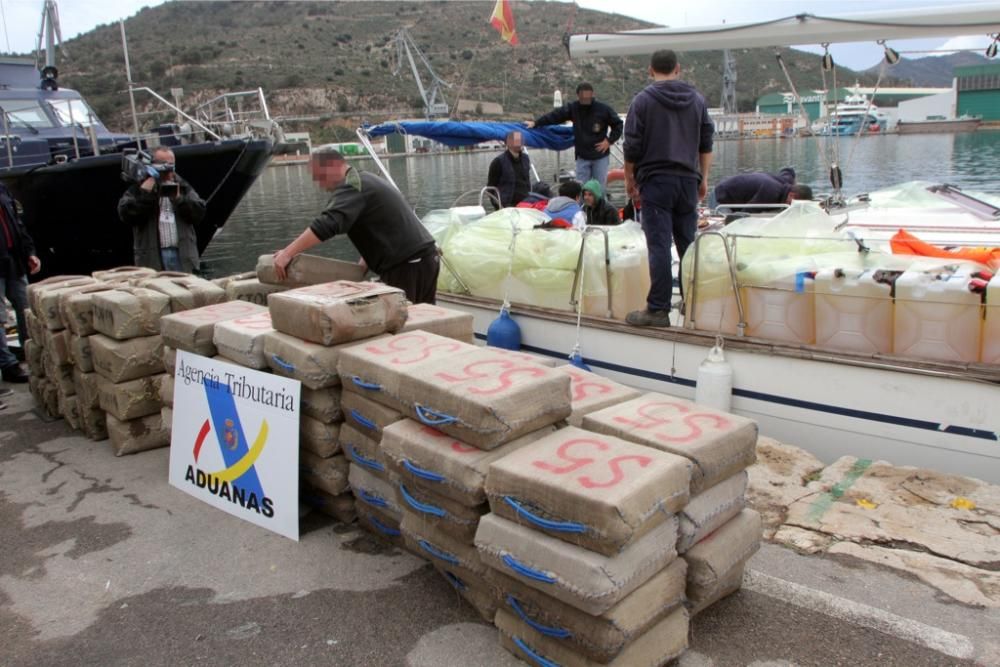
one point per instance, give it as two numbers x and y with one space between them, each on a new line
503 20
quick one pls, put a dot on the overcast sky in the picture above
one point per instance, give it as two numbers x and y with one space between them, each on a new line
21 18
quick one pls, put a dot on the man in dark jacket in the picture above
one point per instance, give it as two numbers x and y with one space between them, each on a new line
391 239
668 154
596 127
17 260
596 207
510 173
761 188
163 213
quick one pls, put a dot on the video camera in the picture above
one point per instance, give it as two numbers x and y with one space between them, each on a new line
137 166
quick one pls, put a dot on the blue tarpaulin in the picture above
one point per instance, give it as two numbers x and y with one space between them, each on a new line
454 133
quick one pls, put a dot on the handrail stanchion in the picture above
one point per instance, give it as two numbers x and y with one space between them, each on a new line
363 136
690 321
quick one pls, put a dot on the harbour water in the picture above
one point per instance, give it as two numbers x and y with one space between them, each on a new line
284 200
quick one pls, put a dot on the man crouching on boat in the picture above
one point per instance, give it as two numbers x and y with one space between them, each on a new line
379 222
163 211
668 152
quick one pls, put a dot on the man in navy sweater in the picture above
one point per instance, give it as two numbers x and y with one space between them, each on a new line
596 127
668 154
761 188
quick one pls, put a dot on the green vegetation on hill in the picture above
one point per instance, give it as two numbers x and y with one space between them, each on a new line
335 59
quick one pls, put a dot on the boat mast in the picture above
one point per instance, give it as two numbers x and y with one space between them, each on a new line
128 74
50 30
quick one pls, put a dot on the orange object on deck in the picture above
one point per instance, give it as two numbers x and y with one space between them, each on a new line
616 175
905 243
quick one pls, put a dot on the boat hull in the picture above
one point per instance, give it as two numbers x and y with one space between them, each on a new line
938 126
827 403
71 209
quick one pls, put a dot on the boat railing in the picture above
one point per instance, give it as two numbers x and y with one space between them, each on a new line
177 110
578 271
692 298
241 113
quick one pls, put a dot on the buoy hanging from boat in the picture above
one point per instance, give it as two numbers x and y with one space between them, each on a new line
714 387
504 332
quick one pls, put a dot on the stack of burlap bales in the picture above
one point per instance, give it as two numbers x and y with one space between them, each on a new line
717 533
193 330
312 325
127 354
457 409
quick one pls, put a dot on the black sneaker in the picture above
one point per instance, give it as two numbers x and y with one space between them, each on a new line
14 373
649 318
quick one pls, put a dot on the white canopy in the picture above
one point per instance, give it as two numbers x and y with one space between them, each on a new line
946 20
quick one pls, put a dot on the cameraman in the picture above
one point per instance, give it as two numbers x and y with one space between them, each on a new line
163 211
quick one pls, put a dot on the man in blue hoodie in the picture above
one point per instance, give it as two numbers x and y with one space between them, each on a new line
761 188
668 154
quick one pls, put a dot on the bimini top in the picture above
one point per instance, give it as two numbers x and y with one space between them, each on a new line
455 133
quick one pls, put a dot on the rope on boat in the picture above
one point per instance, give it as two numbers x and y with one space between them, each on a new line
575 352
871 100
791 84
229 173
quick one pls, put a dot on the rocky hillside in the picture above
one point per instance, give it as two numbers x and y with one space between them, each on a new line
336 59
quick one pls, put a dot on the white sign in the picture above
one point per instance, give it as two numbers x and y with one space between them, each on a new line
235 441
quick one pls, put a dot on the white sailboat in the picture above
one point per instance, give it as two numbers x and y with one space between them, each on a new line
922 406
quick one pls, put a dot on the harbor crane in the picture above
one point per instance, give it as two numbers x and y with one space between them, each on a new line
433 97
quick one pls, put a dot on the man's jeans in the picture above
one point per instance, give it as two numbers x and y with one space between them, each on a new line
15 288
669 214
596 169
171 259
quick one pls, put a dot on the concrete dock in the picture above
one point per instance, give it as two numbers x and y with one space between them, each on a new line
103 563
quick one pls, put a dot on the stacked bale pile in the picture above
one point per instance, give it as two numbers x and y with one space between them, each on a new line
127 353
482 404
718 534
312 326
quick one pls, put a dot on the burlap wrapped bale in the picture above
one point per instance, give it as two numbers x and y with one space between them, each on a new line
427 458
441 321
33 355
726 586
53 282
121 360
710 509
375 492
80 353
167 417
137 435
720 444
315 366
308 270
480 595
169 359
50 397
380 524
87 389
367 416
338 312
363 451
595 491
470 393
193 330
129 312
581 578
601 638
167 390
94 423
46 301
251 290
525 357
590 392
61 375
322 404
713 562
658 646
443 514
328 475
339 507
124 273
70 410
34 326
242 339
57 344
188 292
34 387
224 281
130 399
319 438
76 307
441 549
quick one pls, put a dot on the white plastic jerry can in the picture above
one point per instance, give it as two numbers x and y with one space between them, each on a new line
937 316
853 311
